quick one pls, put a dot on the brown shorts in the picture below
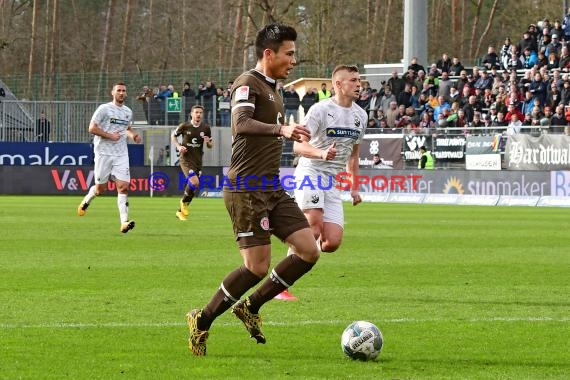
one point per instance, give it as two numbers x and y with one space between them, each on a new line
256 215
188 167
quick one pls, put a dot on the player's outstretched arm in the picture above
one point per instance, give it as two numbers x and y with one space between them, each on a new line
352 167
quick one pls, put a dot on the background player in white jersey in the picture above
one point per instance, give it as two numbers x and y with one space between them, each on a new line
337 127
111 125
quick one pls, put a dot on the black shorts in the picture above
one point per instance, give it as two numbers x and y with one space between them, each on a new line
256 215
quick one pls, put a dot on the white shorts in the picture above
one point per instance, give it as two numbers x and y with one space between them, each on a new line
311 197
115 166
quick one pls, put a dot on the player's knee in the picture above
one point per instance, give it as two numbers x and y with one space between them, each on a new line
330 246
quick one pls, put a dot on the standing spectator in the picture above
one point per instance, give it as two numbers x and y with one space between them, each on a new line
387 99
162 97
396 83
444 86
538 89
224 107
291 101
208 97
111 125
431 84
373 104
309 99
188 97
43 128
564 61
444 63
456 67
426 159
405 97
145 97
364 101
527 42
512 59
194 135
566 26
415 66
491 59
323 92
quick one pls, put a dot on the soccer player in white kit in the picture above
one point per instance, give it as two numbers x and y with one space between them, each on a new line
111 125
337 127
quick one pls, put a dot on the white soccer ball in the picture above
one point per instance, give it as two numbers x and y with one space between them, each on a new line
362 340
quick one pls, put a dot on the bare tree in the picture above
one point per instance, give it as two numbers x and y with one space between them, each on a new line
248 32
125 40
32 46
486 31
384 44
54 36
476 20
238 30
106 36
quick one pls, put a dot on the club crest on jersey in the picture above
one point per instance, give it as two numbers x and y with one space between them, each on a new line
271 97
264 223
356 122
315 198
343 132
242 93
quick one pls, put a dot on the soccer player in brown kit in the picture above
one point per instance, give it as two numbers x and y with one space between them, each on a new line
257 204
194 134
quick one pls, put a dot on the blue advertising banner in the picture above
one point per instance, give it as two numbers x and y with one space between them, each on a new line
38 153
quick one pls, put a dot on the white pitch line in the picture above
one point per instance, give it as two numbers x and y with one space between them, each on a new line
72 325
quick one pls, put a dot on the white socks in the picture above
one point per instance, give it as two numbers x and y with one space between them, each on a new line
90 195
122 203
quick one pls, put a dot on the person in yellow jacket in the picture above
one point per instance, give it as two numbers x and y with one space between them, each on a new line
426 159
323 92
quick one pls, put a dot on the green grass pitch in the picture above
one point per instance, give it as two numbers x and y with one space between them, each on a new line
458 292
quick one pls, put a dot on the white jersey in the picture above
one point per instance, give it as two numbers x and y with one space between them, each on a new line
112 118
328 122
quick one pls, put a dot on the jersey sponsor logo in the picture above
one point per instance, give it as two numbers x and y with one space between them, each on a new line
115 120
242 93
343 132
264 223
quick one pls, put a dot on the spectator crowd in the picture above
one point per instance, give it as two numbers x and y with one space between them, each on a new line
523 87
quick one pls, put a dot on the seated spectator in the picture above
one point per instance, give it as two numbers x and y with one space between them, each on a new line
477 126
541 60
426 124
485 81
554 46
529 58
558 120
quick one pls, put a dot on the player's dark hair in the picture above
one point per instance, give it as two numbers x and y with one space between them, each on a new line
197 106
272 36
119 84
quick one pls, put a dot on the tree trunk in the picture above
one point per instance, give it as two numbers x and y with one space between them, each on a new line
125 40
238 30
46 49
487 28
474 29
387 15
106 36
248 32
32 47
54 34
